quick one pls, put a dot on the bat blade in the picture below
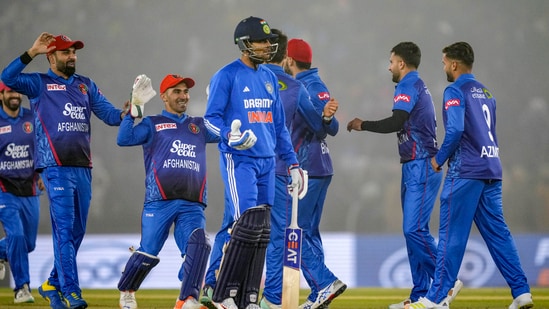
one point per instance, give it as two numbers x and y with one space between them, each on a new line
292 260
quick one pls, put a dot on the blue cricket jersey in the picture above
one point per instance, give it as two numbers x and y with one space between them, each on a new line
252 96
312 150
297 107
62 110
470 144
17 175
174 151
417 139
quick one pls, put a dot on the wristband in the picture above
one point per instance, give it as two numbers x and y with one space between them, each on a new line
25 58
327 119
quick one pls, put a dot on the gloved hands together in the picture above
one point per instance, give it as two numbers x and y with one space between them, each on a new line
142 92
300 180
238 140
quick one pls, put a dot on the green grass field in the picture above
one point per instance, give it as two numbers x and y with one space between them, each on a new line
364 298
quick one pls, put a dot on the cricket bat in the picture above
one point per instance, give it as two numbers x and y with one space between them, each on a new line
292 259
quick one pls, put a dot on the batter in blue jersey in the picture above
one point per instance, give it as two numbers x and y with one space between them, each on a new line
244 109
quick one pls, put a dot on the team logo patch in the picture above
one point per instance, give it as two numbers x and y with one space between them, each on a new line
269 87
27 127
194 128
324 95
401 98
266 28
5 129
83 88
282 85
451 102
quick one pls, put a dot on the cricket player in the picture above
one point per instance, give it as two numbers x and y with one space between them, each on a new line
298 110
20 189
62 102
244 109
314 155
472 187
174 149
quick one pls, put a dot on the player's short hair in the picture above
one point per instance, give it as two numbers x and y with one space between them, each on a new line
409 52
282 41
460 51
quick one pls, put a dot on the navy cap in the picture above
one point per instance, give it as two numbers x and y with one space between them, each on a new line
253 29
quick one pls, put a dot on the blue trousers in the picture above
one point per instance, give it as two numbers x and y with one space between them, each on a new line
159 216
19 217
249 182
315 271
69 193
462 202
419 189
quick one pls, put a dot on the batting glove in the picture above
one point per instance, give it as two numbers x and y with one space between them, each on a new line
300 180
142 92
238 140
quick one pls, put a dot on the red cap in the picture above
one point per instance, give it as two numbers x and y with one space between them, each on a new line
4 87
173 79
300 50
63 42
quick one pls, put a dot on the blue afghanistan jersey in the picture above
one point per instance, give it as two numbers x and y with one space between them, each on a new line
17 175
297 108
312 150
62 110
252 96
470 144
417 139
174 151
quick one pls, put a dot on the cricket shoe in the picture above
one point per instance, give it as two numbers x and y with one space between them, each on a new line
400 305
452 294
23 295
523 301
206 299
2 269
228 303
325 296
127 300
189 303
52 295
266 304
75 301
424 303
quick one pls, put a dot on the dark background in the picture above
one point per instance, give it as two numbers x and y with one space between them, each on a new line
351 41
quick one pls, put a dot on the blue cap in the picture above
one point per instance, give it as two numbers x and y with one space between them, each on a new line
253 29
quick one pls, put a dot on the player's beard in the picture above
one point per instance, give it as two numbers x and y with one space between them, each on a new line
449 77
396 77
12 103
65 69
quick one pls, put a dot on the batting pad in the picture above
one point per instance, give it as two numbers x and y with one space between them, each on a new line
238 257
194 264
137 268
252 282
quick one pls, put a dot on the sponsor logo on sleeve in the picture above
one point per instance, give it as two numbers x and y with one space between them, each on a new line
451 102
324 95
401 98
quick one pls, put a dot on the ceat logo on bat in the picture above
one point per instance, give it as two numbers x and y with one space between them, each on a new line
451 102
324 95
401 98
